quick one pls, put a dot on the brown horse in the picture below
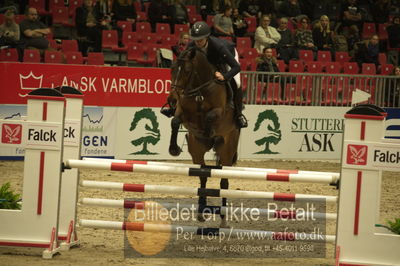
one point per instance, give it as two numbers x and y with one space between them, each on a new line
202 106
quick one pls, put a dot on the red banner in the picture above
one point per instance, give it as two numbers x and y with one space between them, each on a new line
102 86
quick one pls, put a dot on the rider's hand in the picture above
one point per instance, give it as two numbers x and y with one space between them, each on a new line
219 76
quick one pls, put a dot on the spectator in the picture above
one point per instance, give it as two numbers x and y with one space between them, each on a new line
291 9
89 25
380 11
392 89
104 9
239 24
352 18
10 5
33 31
394 8
207 8
285 47
157 13
9 30
393 31
124 10
178 14
310 8
317 9
368 51
304 38
182 43
267 7
267 63
322 35
223 23
334 9
10 34
265 35
223 4
249 8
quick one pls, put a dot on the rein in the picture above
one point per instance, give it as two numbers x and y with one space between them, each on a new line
196 92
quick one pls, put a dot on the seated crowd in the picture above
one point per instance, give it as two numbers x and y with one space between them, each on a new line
364 31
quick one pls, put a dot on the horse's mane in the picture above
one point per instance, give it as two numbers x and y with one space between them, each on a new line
190 53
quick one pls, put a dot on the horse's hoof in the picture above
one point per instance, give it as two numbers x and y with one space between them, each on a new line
175 151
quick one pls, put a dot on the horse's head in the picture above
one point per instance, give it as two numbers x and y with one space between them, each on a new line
191 71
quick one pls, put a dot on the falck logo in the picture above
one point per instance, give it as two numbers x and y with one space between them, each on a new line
11 133
357 154
29 82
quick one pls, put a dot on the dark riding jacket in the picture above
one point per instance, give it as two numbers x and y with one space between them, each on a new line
220 53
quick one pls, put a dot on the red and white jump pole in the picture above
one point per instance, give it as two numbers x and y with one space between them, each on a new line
335 176
250 169
145 205
224 193
225 232
188 171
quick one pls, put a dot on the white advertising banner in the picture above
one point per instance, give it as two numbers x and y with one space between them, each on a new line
284 132
292 132
144 133
98 131
274 132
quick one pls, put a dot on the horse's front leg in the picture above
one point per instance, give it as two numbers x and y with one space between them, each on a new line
227 152
174 149
197 151
202 199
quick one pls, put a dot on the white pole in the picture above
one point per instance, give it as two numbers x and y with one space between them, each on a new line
271 213
225 193
187 171
249 169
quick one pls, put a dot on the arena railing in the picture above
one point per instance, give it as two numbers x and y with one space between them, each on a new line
309 89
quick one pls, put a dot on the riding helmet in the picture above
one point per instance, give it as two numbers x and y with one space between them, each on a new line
199 30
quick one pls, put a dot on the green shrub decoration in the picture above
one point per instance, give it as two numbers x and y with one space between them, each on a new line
8 199
395 226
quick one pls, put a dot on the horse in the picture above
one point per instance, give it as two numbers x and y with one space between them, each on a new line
203 107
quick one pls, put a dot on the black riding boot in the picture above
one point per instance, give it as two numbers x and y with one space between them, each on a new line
167 110
241 120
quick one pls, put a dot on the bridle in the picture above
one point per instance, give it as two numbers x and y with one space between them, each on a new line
196 92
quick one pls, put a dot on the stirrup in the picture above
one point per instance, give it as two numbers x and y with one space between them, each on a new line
242 121
167 111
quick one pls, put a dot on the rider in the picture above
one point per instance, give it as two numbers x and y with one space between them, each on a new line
223 55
